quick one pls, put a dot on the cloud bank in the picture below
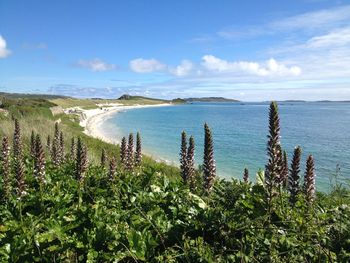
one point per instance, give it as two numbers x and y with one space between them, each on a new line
212 65
272 67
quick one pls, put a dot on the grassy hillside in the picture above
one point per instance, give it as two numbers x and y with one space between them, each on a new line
30 96
92 103
35 115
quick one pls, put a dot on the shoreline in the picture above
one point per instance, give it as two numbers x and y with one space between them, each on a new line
92 120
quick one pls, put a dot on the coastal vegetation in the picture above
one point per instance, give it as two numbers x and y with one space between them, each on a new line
67 197
95 102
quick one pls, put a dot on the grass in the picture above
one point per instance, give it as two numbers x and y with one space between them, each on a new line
71 102
92 103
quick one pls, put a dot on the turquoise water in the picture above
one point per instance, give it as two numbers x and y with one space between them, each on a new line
240 130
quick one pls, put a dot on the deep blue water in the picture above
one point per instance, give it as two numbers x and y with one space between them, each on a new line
240 133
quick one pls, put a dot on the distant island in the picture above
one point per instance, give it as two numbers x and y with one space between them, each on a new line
179 100
130 97
204 99
125 98
292 101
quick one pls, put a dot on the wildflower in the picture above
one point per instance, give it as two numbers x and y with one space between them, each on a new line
138 153
130 153
190 164
274 166
294 177
5 166
183 157
81 160
209 166
18 160
112 168
123 151
309 180
39 163
246 175
103 158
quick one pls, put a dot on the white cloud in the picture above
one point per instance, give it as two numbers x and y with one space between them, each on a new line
321 56
4 52
213 67
183 69
315 21
339 37
271 67
141 65
96 65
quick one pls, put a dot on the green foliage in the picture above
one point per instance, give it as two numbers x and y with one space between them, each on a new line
144 216
148 214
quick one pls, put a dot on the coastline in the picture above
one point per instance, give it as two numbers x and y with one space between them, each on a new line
92 120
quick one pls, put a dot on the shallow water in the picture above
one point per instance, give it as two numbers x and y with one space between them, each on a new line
240 133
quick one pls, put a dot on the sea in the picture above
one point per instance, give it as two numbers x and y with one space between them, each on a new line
240 135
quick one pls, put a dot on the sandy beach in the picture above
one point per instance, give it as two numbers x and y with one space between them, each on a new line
93 119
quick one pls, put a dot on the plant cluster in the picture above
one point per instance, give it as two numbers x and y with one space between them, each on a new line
277 177
187 163
129 157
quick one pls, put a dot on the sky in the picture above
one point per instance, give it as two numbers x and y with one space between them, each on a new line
246 50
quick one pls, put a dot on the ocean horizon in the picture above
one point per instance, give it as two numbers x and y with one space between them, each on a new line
240 134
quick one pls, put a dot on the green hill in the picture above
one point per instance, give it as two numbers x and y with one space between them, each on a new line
30 96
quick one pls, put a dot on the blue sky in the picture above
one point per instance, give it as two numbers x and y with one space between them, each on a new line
249 50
